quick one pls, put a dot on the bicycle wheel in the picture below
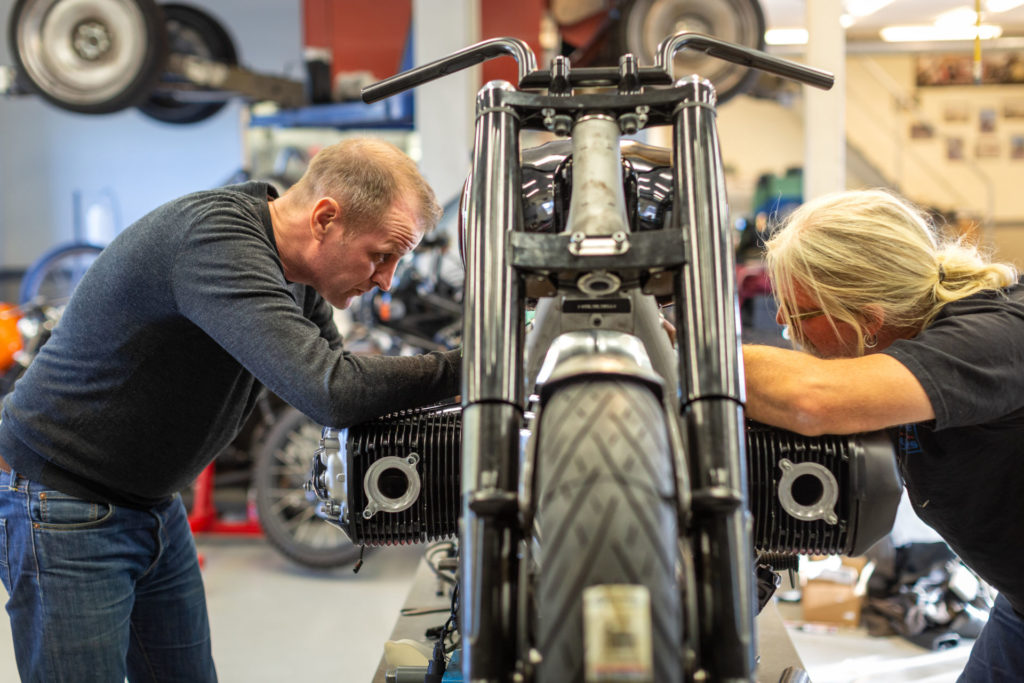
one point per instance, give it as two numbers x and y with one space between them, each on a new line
55 274
287 512
606 518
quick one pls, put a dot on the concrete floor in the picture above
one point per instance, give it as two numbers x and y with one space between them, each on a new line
274 622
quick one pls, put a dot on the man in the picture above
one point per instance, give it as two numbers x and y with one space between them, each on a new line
153 369
904 331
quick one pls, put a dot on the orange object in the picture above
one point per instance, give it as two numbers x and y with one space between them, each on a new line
10 338
372 36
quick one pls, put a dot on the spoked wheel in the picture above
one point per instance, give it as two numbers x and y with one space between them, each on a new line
89 56
645 23
54 276
606 534
287 513
190 31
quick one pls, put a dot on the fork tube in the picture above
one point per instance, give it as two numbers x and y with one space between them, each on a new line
492 395
711 377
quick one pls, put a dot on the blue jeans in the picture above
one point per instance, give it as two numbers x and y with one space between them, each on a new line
998 653
100 592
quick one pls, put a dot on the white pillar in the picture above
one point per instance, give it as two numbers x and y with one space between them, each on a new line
445 107
825 110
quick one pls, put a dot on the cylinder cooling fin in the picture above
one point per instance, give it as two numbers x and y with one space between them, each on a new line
403 477
820 495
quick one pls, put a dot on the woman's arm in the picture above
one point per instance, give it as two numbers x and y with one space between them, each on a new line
810 395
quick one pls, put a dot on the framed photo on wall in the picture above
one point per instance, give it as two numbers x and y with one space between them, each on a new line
1017 147
987 147
955 148
987 120
956 111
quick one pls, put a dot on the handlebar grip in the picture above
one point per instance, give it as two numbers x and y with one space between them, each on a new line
467 57
739 54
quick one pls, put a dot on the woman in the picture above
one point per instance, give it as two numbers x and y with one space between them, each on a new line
899 328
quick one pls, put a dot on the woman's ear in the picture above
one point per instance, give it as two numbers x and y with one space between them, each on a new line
872 318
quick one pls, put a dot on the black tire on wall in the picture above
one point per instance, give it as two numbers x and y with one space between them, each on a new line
88 56
287 513
605 514
190 31
645 23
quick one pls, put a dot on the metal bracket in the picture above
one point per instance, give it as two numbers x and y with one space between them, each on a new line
210 74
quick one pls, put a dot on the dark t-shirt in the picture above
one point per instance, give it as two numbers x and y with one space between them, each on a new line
162 350
964 471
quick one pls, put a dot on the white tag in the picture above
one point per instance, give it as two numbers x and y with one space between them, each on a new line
617 634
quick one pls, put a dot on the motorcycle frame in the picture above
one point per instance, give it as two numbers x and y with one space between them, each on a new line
693 260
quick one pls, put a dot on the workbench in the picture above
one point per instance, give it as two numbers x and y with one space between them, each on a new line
428 602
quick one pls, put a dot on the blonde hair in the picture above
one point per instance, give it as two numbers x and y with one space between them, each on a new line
366 177
868 252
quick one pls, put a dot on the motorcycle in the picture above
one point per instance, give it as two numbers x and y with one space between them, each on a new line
617 516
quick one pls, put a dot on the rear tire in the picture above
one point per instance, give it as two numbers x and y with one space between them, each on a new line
605 514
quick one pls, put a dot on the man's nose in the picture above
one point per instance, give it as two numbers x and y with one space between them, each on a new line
382 277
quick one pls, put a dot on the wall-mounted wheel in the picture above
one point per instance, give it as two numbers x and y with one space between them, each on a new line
89 56
645 23
190 31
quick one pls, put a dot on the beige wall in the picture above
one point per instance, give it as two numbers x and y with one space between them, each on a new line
883 104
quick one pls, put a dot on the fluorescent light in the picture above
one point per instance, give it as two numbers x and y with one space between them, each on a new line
1002 5
961 16
786 36
863 8
911 34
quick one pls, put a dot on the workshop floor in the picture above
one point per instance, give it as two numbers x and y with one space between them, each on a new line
274 622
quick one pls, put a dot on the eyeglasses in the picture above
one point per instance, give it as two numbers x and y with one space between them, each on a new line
804 315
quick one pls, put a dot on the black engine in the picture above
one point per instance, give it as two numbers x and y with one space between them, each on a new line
400 484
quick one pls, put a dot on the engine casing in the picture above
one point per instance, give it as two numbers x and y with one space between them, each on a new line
400 483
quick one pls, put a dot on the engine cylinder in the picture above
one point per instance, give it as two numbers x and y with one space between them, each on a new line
807 495
402 475
820 495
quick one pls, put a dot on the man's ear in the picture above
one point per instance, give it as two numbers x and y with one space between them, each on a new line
325 212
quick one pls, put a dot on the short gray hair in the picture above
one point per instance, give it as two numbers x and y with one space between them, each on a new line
366 176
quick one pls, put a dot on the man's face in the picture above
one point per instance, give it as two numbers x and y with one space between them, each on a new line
354 261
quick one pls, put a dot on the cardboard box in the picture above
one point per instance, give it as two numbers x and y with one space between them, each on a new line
827 602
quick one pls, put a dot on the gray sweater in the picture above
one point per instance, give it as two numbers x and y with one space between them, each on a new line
160 354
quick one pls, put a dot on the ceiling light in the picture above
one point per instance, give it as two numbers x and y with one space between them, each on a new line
863 8
910 34
786 36
1002 5
961 16
848 20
